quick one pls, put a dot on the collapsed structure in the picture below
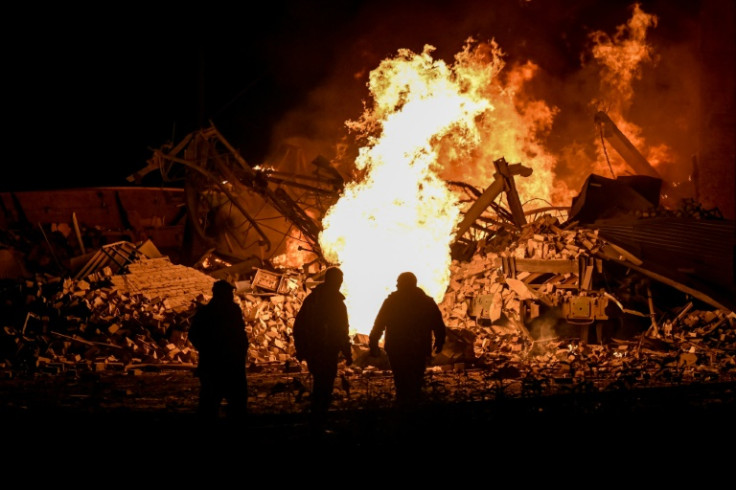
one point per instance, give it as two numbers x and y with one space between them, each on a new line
612 285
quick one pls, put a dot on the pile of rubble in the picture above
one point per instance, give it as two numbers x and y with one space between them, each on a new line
514 337
529 313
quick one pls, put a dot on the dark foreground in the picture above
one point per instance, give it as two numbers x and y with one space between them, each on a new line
685 427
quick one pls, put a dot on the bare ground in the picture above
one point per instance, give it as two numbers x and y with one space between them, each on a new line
153 413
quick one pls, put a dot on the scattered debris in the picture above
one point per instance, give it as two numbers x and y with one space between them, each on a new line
534 305
519 321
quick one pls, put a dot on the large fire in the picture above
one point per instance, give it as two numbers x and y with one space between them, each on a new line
429 122
620 58
400 216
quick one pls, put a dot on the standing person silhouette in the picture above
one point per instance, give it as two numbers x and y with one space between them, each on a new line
321 333
218 333
409 318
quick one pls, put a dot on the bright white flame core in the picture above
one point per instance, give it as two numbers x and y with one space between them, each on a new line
401 216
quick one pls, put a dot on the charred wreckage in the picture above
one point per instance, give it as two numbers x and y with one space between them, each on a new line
613 292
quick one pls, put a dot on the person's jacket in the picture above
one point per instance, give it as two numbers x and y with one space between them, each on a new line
409 317
218 333
321 328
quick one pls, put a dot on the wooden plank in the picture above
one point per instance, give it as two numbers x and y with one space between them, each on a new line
480 205
78 233
512 196
554 266
587 277
533 276
503 181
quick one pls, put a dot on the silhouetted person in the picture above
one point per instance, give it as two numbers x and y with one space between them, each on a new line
321 333
218 333
409 318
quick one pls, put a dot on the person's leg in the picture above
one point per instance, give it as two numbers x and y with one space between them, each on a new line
415 381
210 397
323 383
407 388
237 398
404 379
322 391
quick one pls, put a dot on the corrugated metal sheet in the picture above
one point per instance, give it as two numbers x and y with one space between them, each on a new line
712 239
695 252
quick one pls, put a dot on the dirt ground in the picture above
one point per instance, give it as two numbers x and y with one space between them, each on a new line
153 413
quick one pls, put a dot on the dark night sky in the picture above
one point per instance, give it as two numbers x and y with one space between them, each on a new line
91 93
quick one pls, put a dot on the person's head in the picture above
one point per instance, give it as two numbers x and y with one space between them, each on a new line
406 280
222 289
333 277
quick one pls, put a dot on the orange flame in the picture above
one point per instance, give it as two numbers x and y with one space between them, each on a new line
621 59
401 215
294 254
513 129
428 123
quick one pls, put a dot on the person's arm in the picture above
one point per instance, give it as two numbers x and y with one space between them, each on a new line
438 328
299 332
241 326
379 325
346 346
195 330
